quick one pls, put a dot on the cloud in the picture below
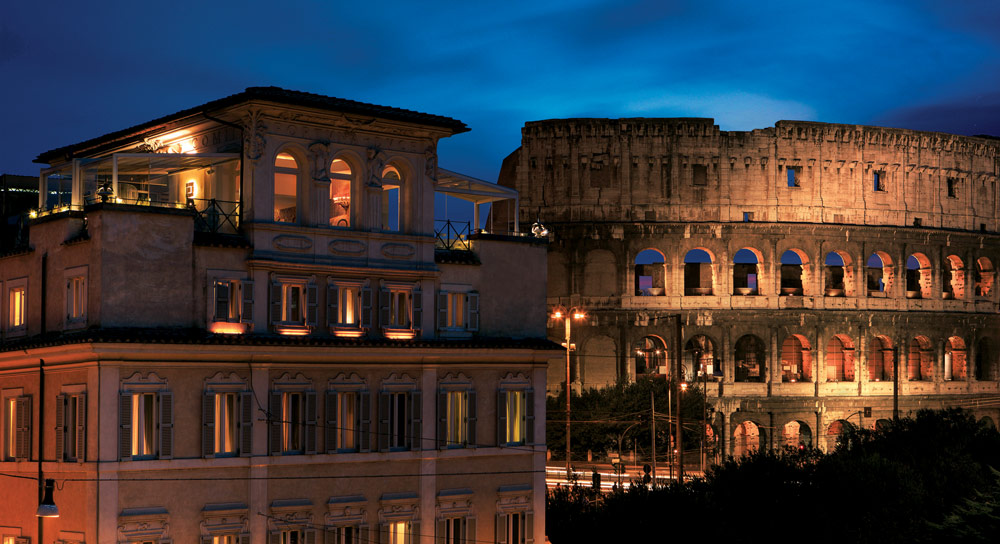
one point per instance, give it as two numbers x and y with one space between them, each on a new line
977 114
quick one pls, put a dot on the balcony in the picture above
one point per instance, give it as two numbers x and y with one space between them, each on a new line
459 206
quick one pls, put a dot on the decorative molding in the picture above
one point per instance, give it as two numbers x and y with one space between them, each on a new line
254 130
346 510
292 242
394 250
347 247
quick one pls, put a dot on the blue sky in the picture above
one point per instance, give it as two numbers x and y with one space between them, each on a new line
71 71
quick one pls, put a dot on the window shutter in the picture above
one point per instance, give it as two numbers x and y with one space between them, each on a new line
442 415
312 304
331 535
246 425
366 307
383 421
310 422
363 535
501 418
310 534
166 425
332 304
383 307
206 540
470 530
417 297
125 427
246 312
529 410
22 540
501 530
442 309
472 305
208 425
221 301
414 527
61 427
244 538
416 428
470 410
365 422
276 302
81 427
22 441
274 417
441 531
274 537
332 430
383 533
529 528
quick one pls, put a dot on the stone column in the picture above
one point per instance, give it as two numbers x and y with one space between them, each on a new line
727 434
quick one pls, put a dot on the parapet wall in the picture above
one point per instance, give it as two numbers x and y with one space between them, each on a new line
686 169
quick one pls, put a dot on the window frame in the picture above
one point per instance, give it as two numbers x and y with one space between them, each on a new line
297 172
71 426
279 304
12 287
161 435
525 419
462 388
16 425
334 409
334 306
470 313
281 428
793 175
390 293
400 396
237 298
241 427
76 297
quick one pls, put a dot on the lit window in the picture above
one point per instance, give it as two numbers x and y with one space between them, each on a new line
399 307
18 307
340 194
71 421
516 527
293 422
76 299
16 428
348 414
227 419
457 419
146 425
233 300
516 413
225 423
225 539
143 425
293 303
346 305
458 311
286 181
397 533
454 531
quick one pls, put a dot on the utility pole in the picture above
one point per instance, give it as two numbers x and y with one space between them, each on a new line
568 347
652 413
680 420
895 384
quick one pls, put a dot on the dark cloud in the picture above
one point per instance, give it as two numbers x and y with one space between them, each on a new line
972 115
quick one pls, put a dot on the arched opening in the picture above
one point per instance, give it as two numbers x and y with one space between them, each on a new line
793 274
748 437
833 433
987 422
796 359
796 434
918 276
953 278
286 188
391 183
986 364
751 361
650 357
920 360
839 278
650 273
985 276
880 359
341 180
698 276
840 359
745 272
879 274
954 359
699 359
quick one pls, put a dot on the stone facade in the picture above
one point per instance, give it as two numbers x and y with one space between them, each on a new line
823 254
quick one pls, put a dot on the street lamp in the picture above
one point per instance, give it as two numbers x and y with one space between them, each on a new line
568 317
620 438
47 508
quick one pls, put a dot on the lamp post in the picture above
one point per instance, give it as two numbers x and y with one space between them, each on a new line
568 317
620 438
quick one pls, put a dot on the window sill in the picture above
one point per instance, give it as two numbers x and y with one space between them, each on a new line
347 331
399 334
292 329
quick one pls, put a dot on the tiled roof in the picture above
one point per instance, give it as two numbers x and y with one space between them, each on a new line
272 94
202 337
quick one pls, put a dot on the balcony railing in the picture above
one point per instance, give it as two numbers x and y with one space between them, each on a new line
216 216
452 235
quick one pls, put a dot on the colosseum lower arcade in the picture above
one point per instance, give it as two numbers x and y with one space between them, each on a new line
795 269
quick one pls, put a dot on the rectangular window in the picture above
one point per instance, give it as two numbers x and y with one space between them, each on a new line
457 413
225 424
399 309
700 173
349 299
516 417
794 175
398 533
17 304
346 534
292 422
347 421
227 300
143 425
225 539
146 425
76 299
453 531
294 304
70 427
516 527
747 217
398 420
293 537
16 428
456 311
951 188
878 180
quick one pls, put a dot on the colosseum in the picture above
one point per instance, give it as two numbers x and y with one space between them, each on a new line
806 274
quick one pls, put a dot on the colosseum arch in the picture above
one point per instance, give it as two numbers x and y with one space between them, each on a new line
794 272
920 360
796 359
839 275
699 357
880 359
746 271
833 432
918 276
751 359
879 274
987 422
748 437
953 278
648 355
840 359
649 268
699 272
955 363
600 274
882 424
985 277
986 361
797 434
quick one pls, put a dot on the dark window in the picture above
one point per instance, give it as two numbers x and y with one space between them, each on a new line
700 174
951 188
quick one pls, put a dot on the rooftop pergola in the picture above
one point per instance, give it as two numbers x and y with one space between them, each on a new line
475 190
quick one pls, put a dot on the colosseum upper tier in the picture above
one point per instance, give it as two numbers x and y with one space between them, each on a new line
794 268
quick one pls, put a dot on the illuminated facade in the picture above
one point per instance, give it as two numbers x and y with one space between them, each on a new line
791 268
241 324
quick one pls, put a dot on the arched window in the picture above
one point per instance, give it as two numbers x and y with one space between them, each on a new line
391 182
792 272
698 276
649 273
745 272
840 359
751 362
879 277
340 193
920 360
880 359
833 433
286 188
918 276
986 363
796 434
748 437
699 360
839 275
796 359
650 357
985 276
954 359
953 278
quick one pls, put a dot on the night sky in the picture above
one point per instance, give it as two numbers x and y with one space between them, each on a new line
71 70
